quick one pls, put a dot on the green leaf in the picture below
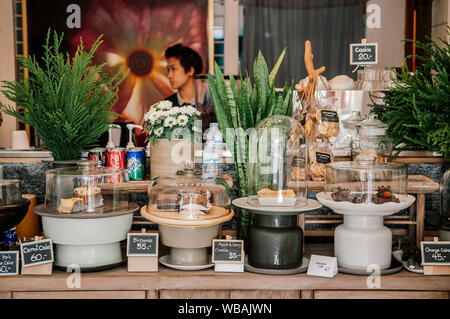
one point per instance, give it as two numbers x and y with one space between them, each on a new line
275 69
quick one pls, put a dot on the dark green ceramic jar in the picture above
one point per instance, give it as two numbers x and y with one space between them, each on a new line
275 242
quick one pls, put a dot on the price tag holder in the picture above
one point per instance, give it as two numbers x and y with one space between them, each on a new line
435 257
9 263
228 255
142 251
363 53
37 257
322 266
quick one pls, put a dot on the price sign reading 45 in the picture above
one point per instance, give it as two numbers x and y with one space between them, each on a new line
142 244
228 251
435 253
36 252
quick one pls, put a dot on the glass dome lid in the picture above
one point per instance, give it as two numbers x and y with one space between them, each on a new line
372 127
277 170
366 182
188 197
86 188
10 192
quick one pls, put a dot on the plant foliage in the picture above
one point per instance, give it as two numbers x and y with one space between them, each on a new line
417 106
242 109
67 100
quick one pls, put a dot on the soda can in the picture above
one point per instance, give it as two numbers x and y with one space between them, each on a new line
116 157
99 155
10 237
136 163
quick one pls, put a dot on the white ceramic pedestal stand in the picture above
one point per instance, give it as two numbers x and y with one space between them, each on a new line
188 239
88 240
362 239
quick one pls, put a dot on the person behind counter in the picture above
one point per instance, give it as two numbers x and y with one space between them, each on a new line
182 64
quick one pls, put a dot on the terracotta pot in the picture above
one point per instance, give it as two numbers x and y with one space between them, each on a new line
168 157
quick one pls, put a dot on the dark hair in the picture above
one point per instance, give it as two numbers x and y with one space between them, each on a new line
188 57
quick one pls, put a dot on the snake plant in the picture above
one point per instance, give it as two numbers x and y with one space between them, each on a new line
241 109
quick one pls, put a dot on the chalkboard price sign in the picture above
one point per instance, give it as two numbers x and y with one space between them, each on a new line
36 252
9 263
435 253
363 53
228 251
142 244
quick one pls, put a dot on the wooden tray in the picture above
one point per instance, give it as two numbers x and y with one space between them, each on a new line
215 216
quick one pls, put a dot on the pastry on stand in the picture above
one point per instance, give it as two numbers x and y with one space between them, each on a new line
86 213
364 192
189 212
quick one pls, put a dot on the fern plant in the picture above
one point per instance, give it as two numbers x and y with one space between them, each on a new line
417 106
244 109
67 101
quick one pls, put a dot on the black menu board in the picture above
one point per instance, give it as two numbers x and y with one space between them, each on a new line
363 53
435 253
36 252
9 263
142 244
228 251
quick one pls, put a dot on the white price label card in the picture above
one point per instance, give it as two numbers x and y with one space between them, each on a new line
322 266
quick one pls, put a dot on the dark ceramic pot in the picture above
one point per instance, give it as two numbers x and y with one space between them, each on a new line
275 242
11 215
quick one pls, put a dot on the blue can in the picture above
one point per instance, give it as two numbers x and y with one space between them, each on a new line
136 163
10 237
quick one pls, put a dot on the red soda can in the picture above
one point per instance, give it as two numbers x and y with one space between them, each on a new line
116 157
99 155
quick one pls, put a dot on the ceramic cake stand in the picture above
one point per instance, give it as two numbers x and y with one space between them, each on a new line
89 240
275 242
362 239
188 238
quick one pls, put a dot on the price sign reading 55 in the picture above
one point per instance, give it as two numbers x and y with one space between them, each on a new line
142 244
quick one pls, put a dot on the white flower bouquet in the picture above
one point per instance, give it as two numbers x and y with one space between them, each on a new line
163 120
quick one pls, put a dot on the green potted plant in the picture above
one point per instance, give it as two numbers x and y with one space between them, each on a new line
171 131
67 100
416 107
242 109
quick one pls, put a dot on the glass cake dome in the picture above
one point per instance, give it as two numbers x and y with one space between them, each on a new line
189 197
10 192
366 182
86 188
277 171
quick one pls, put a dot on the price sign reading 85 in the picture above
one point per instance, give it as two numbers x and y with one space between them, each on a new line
142 244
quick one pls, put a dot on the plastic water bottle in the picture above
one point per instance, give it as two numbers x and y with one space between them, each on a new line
212 151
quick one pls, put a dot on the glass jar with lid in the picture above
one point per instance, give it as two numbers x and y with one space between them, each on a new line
277 170
444 230
371 141
86 188
10 191
348 133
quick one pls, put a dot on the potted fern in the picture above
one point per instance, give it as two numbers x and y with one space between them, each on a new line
416 107
67 101
242 109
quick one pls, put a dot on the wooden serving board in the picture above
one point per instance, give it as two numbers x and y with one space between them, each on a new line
215 216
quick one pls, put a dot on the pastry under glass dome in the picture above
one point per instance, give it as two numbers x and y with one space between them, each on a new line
189 197
277 173
86 189
361 182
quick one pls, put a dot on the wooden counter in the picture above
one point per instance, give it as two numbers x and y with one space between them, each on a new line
169 283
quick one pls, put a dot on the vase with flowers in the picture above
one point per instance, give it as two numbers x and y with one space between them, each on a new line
171 131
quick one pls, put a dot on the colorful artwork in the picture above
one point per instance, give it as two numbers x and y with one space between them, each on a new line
135 35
